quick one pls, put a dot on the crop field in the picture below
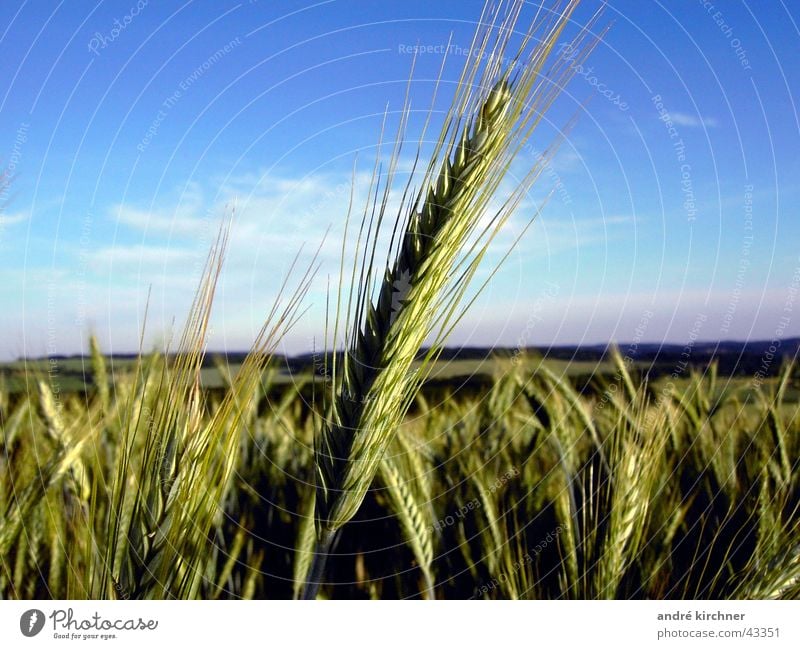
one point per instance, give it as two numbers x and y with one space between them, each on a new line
525 489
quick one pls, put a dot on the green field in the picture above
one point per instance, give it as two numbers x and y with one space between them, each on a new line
509 484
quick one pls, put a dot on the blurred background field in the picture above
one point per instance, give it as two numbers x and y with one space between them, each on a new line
461 368
511 477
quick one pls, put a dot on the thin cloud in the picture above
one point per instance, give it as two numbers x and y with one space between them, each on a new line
136 255
694 121
184 220
13 219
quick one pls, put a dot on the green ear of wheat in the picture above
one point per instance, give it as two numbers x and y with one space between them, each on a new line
409 500
440 242
159 534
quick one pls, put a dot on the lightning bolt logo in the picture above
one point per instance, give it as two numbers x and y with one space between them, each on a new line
31 622
401 288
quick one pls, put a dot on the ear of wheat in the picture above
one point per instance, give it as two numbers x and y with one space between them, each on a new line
444 237
410 502
159 533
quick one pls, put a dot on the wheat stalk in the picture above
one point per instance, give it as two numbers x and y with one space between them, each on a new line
164 533
495 110
408 500
634 460
99 373
304 552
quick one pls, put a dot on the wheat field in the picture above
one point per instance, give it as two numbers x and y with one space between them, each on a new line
526 490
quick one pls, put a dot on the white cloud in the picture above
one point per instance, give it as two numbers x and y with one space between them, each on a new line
162 249
553 234
164 268
139 254
13 219
177 222
693 121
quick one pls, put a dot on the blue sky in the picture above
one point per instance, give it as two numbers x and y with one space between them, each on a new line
129 130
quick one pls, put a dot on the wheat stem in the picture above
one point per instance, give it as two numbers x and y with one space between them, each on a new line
316 572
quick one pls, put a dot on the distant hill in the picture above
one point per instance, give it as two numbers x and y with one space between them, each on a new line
734 358
732 352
